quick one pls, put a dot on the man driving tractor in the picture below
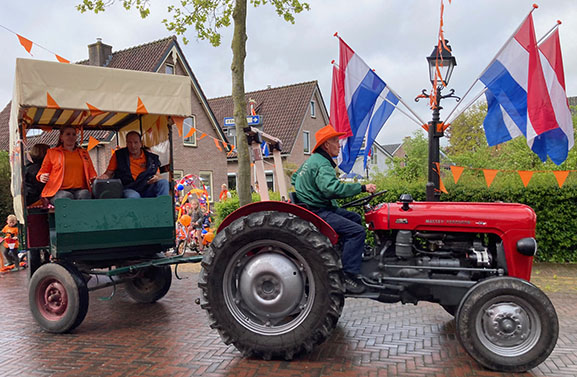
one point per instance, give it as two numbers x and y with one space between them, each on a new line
316 185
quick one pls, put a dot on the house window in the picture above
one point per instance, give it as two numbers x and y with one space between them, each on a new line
313 110
177 174
206 178
373 156
307 142
187 125
232 181
269 180
169 69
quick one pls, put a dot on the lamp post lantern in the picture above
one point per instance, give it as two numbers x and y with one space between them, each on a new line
441 64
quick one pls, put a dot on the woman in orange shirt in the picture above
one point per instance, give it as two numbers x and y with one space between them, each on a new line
67 169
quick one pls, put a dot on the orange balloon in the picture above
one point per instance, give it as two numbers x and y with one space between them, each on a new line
185 220
208 237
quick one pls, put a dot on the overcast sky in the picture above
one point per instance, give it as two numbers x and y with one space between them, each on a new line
392 36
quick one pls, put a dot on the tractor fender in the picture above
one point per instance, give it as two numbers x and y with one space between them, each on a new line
271 205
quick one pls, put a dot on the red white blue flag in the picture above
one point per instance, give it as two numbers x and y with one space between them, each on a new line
361 103
519 98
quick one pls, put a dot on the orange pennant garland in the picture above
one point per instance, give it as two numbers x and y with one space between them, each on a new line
202 136
140 108
26 43
441 185
525 176
217 145
50 103
457 171
489 175
191 132
94 111
61 59
561 176
178 121
92 142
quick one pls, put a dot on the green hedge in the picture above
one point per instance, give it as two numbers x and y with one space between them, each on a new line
556 207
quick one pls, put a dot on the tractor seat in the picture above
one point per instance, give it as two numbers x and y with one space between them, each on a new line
295 200
107 188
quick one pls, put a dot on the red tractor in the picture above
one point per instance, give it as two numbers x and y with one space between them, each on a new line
272 283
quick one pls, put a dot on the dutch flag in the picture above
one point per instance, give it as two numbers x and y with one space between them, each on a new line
522 102
361 103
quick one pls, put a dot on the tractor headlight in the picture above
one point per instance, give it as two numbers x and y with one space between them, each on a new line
527 246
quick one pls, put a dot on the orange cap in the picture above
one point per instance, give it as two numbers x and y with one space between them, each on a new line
324 134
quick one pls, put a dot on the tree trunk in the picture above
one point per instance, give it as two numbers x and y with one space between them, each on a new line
238 97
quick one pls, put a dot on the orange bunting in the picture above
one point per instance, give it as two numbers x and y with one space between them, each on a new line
217 143
489 175
50 103
202 136
525 176
561 176
178 121
94 111
92 142
441 185
26 43
140 108
457 171
191 132
61 59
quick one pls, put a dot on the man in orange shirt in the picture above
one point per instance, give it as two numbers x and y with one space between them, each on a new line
138 170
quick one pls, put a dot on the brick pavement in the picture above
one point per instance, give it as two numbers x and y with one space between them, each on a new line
172 338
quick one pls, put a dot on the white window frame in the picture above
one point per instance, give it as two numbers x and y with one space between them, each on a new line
191 141
313 109
308 134
210 183
171 66
235 181
268 173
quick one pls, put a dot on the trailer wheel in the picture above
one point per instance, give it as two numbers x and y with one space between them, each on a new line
271 285
507 324
149 284
58 297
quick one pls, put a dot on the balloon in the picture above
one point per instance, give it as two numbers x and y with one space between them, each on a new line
185 220
180 187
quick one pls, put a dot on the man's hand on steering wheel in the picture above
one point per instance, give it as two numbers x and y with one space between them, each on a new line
371 188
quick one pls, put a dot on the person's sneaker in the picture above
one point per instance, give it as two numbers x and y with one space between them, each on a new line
353 284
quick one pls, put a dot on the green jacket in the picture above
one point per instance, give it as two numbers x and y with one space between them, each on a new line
317 185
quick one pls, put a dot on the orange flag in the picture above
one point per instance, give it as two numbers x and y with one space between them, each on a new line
525 176
191 132
94 111
561 176
202 136
441 185
178 121
61 59
217 145
489 175
92 142
140 108
50 103
457 171
26 43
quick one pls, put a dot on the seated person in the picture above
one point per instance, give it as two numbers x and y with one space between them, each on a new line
316 184
33 186
137 168
67 169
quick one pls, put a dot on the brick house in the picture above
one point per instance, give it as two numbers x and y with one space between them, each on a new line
292 113
163 56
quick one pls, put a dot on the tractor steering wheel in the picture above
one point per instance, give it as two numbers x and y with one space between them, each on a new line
365 200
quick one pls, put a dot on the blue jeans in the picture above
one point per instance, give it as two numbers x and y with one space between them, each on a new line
348 226
153 190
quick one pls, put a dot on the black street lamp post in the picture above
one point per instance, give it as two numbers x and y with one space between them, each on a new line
441 62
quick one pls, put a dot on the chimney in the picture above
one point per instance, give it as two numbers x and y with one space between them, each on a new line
99 53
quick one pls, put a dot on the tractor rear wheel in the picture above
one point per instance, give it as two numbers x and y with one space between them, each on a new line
271 285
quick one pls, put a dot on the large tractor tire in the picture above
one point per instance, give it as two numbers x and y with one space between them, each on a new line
58 297
271 285
507 324
150 284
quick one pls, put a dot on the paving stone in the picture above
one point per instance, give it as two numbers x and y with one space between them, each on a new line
172 338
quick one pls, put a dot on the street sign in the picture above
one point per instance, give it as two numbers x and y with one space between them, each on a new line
253 120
